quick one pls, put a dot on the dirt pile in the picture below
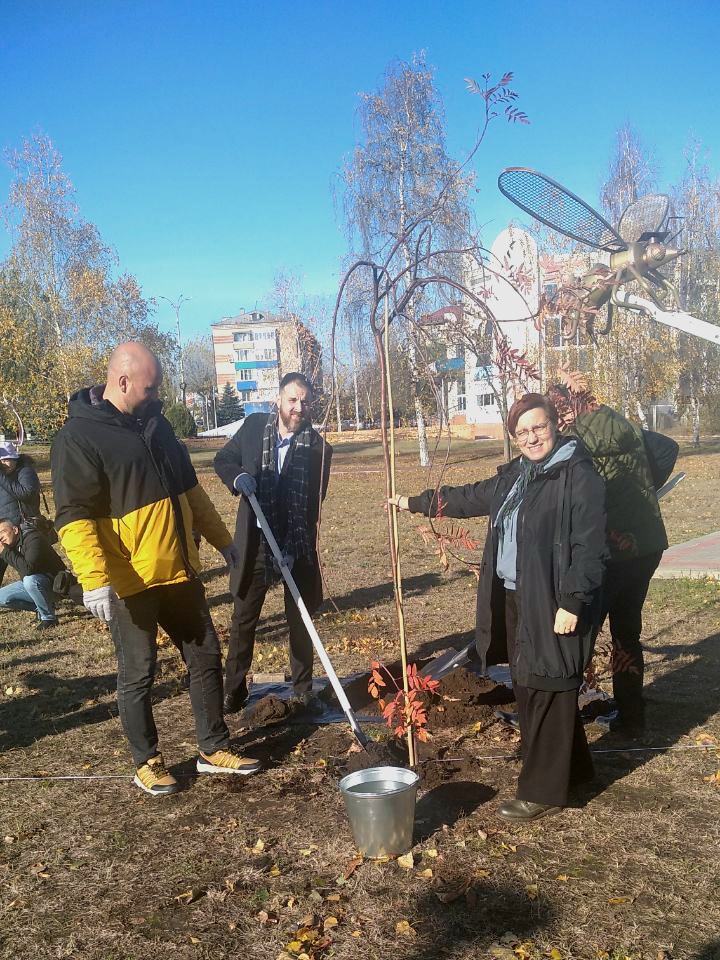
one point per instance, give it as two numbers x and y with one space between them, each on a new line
391 754
463 697
270 709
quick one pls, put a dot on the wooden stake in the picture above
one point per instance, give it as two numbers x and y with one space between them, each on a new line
397 577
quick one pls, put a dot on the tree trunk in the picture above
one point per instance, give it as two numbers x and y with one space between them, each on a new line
358 425
695 406
419 414
337 405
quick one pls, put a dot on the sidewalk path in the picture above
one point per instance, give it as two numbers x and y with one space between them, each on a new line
694 558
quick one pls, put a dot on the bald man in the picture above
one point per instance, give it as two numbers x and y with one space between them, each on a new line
127 500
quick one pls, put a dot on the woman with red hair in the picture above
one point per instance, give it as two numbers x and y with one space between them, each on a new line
538 598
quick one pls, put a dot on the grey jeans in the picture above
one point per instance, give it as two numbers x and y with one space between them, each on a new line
182 611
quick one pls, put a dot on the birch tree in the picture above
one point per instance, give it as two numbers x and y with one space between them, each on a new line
697 201
397 171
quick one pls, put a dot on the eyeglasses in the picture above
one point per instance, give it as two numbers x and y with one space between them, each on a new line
539 430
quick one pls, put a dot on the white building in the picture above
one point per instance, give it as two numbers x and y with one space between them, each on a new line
254 350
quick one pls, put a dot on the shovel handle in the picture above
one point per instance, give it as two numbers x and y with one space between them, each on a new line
307 620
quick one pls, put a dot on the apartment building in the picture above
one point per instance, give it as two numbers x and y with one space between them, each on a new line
253 351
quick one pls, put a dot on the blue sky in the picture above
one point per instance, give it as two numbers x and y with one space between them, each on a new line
204 139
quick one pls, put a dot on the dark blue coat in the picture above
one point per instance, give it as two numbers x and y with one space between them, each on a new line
20 492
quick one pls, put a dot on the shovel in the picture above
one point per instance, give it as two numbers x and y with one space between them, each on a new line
310 626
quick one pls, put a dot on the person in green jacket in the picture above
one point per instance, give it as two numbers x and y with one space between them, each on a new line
635 533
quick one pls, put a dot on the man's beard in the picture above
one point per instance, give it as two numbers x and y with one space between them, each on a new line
292 423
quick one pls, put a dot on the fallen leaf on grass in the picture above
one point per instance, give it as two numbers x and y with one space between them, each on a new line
349 870
555 954
483 835
713 778
190 896
499 952
432 853
40 870
264 917
452 892
481 874
259 846
616 900
564 877
333 897
532 891
274 871
404 929
330 922
523 951
407 862
425 874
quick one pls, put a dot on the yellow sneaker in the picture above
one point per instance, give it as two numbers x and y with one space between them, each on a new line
225 761
153 778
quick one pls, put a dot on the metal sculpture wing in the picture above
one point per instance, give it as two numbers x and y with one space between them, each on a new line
645 218
554 205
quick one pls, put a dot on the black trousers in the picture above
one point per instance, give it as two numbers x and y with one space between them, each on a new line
624 593
182 611
553 748
248 604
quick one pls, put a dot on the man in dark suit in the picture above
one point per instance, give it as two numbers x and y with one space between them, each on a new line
286 463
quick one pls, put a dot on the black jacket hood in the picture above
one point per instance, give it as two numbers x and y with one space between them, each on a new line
89 404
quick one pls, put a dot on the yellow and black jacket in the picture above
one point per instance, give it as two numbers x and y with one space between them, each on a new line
127 498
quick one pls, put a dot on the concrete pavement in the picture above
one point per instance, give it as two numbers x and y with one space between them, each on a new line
693 558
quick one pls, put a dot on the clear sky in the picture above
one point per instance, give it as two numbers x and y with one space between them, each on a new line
205 139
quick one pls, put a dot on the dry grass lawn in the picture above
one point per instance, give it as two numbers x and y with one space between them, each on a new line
92 869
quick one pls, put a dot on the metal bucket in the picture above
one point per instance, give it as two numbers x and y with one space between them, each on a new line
380 804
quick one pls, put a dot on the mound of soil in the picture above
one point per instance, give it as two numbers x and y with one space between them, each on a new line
270 709
356 689
377 755
463 697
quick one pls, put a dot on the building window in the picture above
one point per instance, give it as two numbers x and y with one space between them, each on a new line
245 395
245 374
267 354
554 335
243 355
461 403
244 336
486 399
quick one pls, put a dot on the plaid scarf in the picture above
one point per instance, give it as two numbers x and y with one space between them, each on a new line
287 519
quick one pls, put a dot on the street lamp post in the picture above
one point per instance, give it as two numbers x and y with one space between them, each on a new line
176 304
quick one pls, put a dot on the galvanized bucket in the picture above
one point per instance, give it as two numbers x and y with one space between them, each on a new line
380 804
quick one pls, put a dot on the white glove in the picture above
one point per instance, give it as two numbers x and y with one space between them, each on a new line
245 483
101 602
231 553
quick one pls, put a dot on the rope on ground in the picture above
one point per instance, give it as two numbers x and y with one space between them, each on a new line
312 766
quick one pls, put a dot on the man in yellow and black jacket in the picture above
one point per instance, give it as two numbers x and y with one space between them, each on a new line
127 500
